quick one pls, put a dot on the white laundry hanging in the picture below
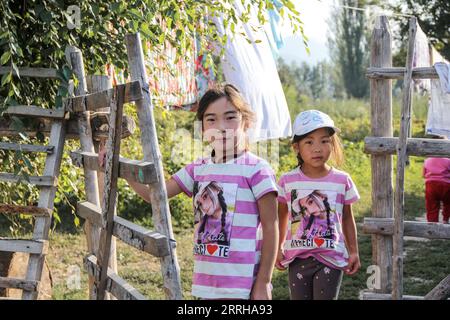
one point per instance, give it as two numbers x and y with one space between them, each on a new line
438 121
252 69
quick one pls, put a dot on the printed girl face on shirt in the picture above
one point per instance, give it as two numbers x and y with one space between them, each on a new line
310 204
223 127
206 201
313 205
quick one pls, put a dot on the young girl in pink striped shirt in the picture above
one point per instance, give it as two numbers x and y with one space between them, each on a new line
234 202
317 229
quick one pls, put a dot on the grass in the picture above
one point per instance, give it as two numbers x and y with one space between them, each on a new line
426 262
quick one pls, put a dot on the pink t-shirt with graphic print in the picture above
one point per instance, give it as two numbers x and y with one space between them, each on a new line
228 269
315 208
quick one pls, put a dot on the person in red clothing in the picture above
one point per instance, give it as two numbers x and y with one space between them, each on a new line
436 172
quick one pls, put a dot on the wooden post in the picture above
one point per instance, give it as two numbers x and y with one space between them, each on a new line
397 278
381 121
158 192
110 187
91 187
96 83
441 291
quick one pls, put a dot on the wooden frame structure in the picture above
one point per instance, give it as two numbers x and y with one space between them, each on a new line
387 224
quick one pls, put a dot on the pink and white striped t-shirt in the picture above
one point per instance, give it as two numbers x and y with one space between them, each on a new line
227 233
315 209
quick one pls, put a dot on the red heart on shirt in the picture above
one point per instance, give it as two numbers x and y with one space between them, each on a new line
319 241
212 248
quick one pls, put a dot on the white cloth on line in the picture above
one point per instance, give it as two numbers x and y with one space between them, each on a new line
443 71
438 120
252 69
421 58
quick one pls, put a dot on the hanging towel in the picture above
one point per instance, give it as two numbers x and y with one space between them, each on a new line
273 28
252 69
421 58
438 121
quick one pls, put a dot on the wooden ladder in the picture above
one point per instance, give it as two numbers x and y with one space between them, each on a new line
147 171
36 247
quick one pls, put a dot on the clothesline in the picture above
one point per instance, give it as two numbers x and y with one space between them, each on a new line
365 9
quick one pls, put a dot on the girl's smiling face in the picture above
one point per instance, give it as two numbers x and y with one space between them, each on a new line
311 206
206 204
223 127
315 148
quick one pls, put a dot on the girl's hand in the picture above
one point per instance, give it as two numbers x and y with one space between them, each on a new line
353 264
101 154
278 264
261 291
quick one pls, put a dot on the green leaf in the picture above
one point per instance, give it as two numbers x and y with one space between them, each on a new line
5 57
6 78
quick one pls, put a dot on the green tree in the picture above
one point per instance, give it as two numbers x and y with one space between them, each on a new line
349 46
434 19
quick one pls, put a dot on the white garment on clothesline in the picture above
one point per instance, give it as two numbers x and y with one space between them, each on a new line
438 121
252 69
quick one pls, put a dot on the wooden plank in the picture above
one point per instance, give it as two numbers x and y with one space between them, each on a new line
428 230
158 192
35 112
32 72
399 203
15 283
116 285
135 170
381 165
132 234
99 125
100 100
399 73
30 210
441 291
386 296
110 186
415 146
25 147
39 247
75 60
43 181
96 83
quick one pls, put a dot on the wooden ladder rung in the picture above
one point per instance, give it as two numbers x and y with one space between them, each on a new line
15 283
22 245
29 210
43 181
135 170
26 147
36 112
132 234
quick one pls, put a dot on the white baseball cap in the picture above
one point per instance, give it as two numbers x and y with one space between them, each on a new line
310 120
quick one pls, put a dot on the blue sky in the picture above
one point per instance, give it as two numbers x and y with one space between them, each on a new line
314 15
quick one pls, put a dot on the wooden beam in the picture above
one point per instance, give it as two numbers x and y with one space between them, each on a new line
30 210
415 146
385 296
26 147
132 234
399 73
32 72
428 230
100 100
441 291
381 165
15 283
43 181
99 124
135 170
116 285
399 203
158 191
35 112
39 247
